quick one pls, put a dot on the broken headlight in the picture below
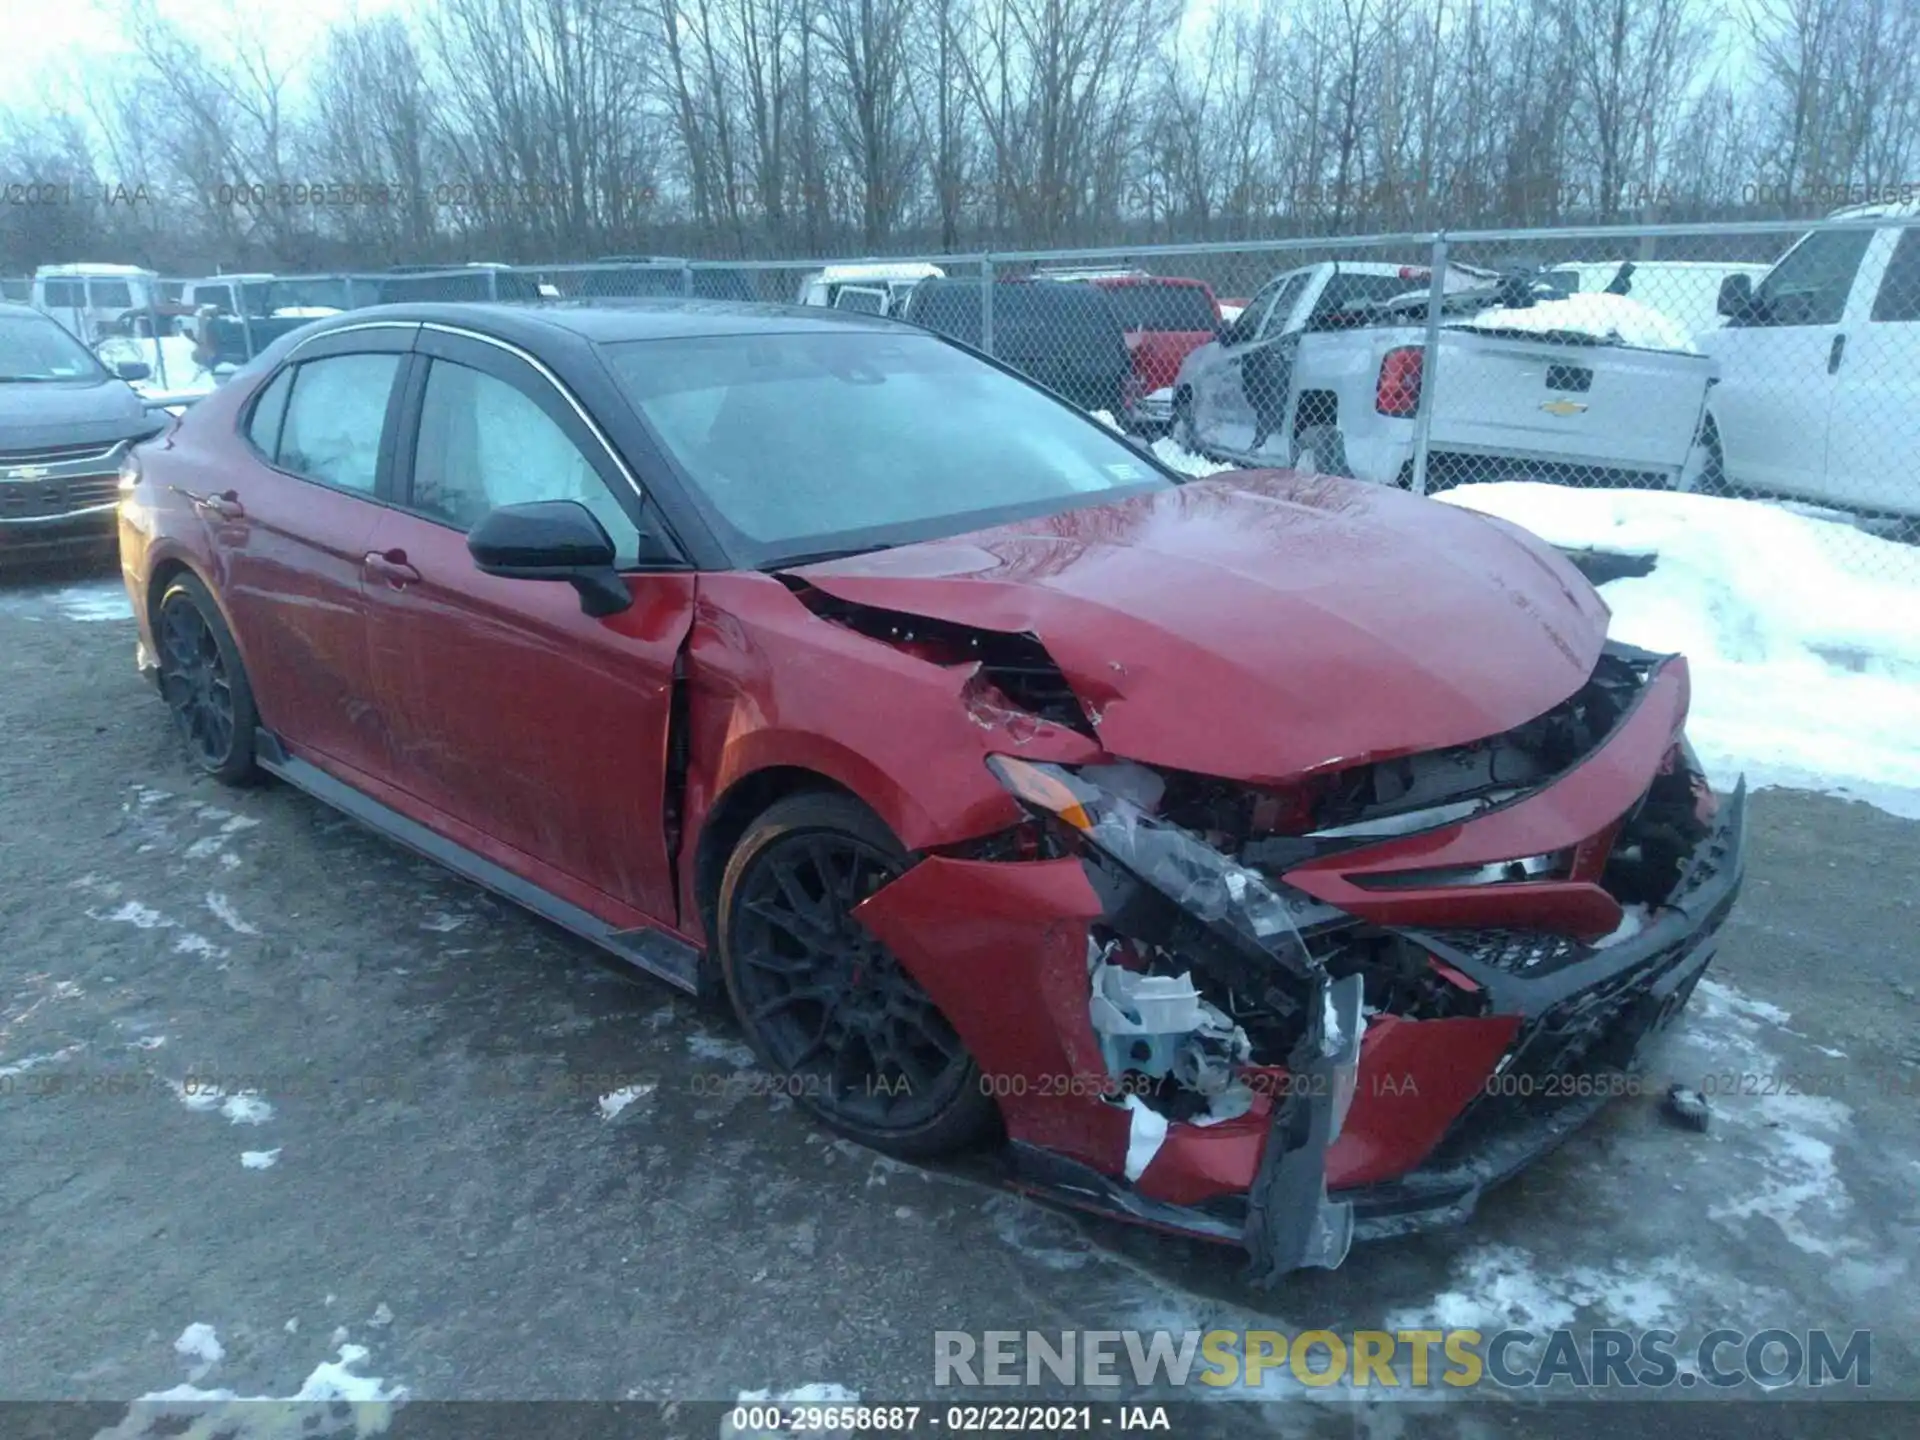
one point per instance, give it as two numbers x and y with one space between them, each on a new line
1113 815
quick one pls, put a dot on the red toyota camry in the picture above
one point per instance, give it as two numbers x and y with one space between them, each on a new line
1274 859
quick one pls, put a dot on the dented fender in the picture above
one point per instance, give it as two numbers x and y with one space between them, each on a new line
1002 950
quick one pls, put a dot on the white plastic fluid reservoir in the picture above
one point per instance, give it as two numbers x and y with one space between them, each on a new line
1141 1019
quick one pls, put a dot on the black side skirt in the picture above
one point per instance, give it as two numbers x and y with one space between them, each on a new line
666 957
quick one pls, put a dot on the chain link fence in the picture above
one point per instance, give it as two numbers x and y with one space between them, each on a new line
1771 360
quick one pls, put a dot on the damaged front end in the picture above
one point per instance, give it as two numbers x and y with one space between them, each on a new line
1292 1015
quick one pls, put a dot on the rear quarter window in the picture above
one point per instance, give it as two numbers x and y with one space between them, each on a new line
263 424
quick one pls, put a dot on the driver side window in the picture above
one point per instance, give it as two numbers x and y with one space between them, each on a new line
485 443
1810 286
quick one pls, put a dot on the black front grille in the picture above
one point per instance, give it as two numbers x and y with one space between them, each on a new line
49 499
58 454
1518 952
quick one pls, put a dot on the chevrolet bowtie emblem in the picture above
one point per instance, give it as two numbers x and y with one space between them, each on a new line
1562 407
26 472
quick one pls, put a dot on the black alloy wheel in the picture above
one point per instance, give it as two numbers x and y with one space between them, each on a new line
827 1005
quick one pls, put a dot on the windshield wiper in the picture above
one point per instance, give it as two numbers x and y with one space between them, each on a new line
820 557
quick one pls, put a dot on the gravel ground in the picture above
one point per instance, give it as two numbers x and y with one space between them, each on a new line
452 1135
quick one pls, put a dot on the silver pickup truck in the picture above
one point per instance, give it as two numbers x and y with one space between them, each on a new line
1325 367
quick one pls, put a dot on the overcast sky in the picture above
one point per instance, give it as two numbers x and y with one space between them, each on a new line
50 43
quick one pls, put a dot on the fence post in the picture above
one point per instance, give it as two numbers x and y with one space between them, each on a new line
246 324
986 304
159 343
686 279
1429 362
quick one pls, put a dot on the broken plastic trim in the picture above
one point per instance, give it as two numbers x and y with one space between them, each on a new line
1016 665
1291 1222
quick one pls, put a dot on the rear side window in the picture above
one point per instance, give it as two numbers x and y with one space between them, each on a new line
1899 297
263 428
1161 307
950 308
1346 292
65 294
334 420
111 294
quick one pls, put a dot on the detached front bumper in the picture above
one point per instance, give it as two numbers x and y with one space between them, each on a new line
1441 1109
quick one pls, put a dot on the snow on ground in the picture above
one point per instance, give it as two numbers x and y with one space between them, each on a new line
1611 317
1803 634
334 1400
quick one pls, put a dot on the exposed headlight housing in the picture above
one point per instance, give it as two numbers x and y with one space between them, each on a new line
129 471
1195 876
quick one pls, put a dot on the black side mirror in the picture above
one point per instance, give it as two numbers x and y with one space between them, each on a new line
133 370
1736 297
551 540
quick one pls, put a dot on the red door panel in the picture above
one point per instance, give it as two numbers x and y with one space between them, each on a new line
288 549
517 714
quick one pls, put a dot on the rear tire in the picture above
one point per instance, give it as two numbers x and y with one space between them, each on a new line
1704 472
826 1006
204 682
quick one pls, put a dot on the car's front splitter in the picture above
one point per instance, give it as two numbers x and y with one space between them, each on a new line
1442 1108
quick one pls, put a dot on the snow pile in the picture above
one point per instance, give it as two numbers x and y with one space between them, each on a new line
1803 635
1175 456
1607 317
333 1400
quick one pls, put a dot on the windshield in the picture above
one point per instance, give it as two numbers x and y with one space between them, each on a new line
33 347
1182 308
808 442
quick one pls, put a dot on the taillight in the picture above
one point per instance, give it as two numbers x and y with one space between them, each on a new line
1398 392
1415 272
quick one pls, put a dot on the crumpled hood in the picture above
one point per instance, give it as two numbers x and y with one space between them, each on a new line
37 415
1266 624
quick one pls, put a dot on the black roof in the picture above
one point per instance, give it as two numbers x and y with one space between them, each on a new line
606 321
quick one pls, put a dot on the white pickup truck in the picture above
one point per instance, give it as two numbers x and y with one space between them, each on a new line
1324 370
1819 395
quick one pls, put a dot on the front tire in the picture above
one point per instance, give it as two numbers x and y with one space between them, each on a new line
827 1007
204 682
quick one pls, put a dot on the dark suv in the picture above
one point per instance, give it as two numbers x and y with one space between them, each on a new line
1066 337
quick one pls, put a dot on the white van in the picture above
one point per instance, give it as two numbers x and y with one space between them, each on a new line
86 297
1819 393
873 287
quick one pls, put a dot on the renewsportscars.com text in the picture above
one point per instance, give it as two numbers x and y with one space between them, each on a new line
1413 1359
